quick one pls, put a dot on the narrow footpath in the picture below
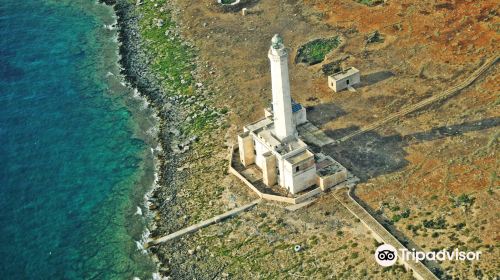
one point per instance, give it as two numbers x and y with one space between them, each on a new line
202 224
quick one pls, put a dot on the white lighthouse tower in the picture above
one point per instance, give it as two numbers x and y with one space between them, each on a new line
284 125
272 143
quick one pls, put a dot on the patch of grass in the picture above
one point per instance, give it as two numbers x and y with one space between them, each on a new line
464 200
343 247
173 62
172 59
396 218
200 123
395 208
475 239
371 3
315 51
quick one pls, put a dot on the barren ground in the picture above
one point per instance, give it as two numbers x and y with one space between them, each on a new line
420 163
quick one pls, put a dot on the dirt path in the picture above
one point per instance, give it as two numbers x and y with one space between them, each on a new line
425 102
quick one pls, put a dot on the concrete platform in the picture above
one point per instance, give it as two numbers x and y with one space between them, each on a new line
313 135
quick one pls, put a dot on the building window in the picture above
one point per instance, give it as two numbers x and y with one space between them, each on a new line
297 169
347 82
254 152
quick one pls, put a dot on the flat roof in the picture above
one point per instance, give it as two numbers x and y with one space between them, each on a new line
344 73
269 138
328 166
264 130
300 157
291 145
259 124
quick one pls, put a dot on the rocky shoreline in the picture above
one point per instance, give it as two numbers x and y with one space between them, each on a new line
230 50
135 69
175 111
192 184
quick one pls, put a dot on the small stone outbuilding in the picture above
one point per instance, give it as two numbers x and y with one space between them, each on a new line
344 79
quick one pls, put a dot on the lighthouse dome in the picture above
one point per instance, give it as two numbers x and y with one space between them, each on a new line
277 41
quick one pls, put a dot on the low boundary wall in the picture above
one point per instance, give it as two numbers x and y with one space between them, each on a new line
266 196
381 234
200 225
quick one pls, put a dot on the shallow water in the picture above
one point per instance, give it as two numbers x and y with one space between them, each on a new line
74 163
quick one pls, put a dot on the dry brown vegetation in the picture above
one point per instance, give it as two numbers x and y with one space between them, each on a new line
419 163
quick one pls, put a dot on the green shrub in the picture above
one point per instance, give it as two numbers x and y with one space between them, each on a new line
376 243
439 223
463 200
396 218
374 37
371 3
315 51
459 226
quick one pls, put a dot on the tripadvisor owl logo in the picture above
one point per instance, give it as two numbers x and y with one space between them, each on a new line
386 255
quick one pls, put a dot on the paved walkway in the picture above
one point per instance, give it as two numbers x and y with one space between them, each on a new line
420 271
425 102
202 224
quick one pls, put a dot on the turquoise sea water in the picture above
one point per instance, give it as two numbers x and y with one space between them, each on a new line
74 161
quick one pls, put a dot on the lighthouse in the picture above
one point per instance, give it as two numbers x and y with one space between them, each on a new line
272 144
284 125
